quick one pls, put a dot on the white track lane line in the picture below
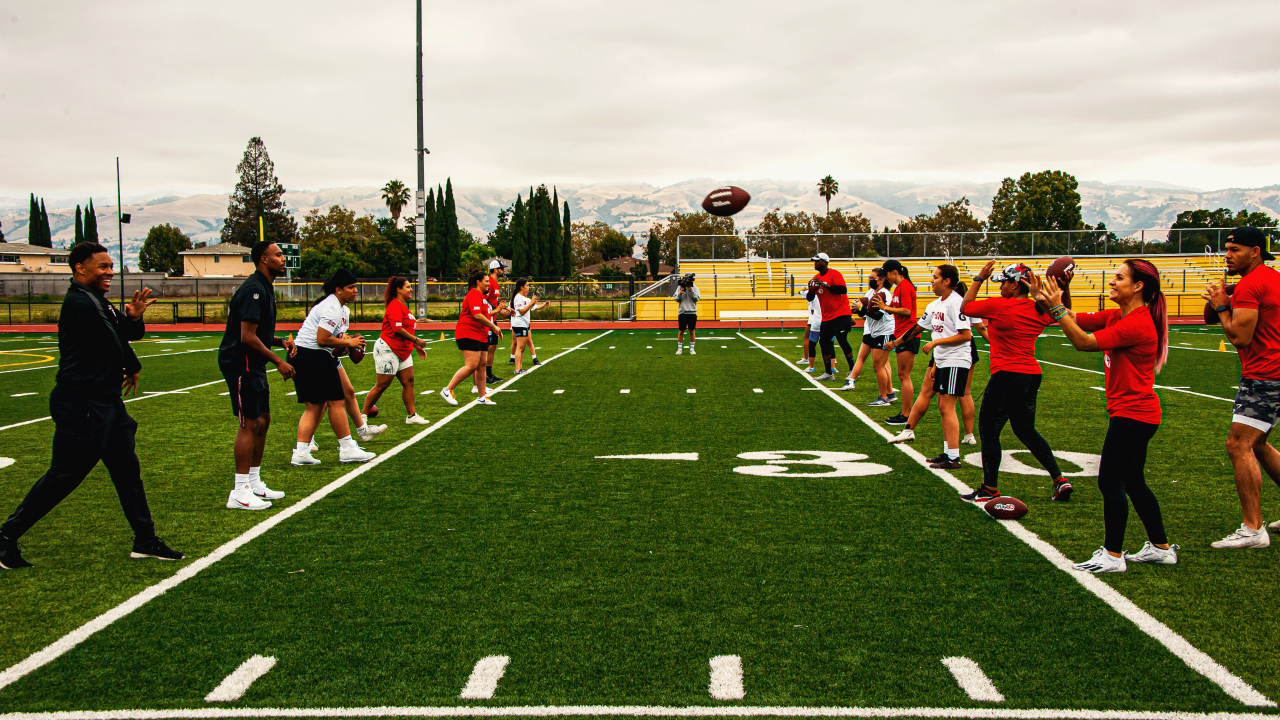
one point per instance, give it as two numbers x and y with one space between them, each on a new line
973 681
1194 658
726 678
69 641
233 687
146 396
483 682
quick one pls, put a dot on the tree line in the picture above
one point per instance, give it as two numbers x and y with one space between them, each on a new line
536 236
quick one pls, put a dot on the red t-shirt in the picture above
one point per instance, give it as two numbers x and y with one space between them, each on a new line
494 295
1260 290
468 327
395 317
833 306
1012 328
1129 346
904 296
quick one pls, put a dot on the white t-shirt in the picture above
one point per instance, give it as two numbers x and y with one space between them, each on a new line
944 318
328 314
815 313
883 326
520 302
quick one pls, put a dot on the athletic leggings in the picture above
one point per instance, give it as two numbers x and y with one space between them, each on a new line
1124 454
1011 398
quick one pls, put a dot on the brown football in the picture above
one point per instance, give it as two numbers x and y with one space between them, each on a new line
1005 508
1062 270
726 201
1211 317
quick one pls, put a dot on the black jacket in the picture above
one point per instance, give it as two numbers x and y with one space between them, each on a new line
93 341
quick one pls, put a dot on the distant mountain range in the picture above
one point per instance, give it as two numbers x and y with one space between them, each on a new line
633 207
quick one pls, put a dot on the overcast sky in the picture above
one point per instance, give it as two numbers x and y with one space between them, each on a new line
659 91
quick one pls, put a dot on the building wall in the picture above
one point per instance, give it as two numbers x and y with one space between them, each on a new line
34 263
214 265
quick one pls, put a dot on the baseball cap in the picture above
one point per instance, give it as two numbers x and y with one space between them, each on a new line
1252 237
821 256
496 265
1017 271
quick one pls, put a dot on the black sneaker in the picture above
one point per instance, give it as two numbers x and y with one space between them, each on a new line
1062 490
981 495
536 361
494 380
946 463
11 556
898 419
511 361
154 548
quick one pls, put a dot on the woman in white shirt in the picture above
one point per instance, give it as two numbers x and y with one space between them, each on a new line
522 308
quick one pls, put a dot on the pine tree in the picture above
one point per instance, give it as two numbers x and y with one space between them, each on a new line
91 224
537 234
33 222
519 245
566 249
79 228
554 234
257 194
550 235
442 236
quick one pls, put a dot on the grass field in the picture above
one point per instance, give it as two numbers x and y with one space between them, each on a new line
838 581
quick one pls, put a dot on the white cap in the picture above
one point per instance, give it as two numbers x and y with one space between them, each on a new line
821 256
495 264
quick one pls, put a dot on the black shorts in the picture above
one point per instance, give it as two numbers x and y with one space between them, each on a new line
493 338
950 381
835 326
973 352
250 395
912 346
470 345
317 379
520 332
688 321
875 342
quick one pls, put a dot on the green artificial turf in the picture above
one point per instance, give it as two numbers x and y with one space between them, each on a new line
614 581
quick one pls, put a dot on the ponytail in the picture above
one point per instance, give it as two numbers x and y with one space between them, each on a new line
1146 273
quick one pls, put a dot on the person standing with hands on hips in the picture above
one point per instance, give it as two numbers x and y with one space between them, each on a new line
687 297
90 422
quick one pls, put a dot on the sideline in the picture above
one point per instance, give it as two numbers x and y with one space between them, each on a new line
69 641
1195 658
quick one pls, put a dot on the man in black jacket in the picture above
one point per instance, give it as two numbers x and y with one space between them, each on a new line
96 363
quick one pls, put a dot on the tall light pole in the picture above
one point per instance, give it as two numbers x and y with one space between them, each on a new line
120 230
419 225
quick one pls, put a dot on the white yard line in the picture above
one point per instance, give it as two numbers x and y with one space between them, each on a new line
1194 658
483 682
726 678
1158 387
233 687
972 680
69 641
651 456
140 357
147 395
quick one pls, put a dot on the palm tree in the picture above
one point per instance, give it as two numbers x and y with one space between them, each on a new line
828 188
396 196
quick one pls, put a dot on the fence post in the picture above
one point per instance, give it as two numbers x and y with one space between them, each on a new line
1142 249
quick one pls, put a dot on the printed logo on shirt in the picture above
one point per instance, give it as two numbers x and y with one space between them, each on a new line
255 296
1106 359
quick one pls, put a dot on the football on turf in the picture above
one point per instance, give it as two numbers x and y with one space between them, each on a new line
1211 317
373 411
1062 270
357 353
726 201
1005 508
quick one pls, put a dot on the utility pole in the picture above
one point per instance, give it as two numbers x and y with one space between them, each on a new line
419 225
120 231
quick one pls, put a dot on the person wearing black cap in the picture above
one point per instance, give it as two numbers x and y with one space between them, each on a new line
902 307
90 421
1250 319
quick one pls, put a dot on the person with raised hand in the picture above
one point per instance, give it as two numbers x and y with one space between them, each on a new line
522 307
471 334
393 351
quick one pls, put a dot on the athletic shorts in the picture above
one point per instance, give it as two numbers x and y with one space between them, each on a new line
520 332
385 360
836 326
973 352
687 321
493 338
875 342
317 379
470 345
1257 404
950 381
814 335
913 346
250 395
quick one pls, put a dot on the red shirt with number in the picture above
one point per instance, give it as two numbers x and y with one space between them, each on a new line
1013 324
904 296
468 327
1260 290
396 317
833 305
1129 355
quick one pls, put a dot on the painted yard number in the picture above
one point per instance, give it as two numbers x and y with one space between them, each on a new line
833 464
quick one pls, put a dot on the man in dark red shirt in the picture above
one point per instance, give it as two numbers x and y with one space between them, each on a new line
837 319
1251 321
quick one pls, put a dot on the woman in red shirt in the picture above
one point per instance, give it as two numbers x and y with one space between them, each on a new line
472 337
1135 340
393 352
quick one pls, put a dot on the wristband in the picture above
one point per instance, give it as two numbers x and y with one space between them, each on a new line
1222 308
1057 312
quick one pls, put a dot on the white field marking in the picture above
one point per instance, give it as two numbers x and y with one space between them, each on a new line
624 392
69 641
165 392
756 390
692 391
295 392
724 347
362 392
648 347
1088 463
712 337
1095 387
6 462
134 399
228 393
140 357
21 394
233 687
1194 658
973 681
1158 387
652 456
735 711
483 682
613 347
726 678
558 392
778 337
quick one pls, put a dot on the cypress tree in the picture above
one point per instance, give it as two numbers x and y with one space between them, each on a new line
537 236
451 227
79 228
33 222
654 253
442 237
566 249
550 235
431 239
554 233
42 220
519 248
91 224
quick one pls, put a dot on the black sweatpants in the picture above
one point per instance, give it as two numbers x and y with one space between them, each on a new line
1124 454
87 430
1010 398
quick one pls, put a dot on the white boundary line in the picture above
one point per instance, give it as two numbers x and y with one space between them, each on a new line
69 641
632 711
1194 658
233 686
140 357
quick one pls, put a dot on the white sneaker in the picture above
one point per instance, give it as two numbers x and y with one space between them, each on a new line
474 390
447 394
314 447
303 457
969 440
369 432
1244 537
692 351
355 455
242 498
907 435
1152 554
679 349
848 385
259 488
485 401
1274 526
416 419
802 361
827 376
1102 562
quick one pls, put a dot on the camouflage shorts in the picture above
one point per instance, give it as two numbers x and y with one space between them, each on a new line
1257 403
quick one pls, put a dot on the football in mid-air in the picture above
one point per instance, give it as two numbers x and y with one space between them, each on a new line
1062 270
1005 508
1211 317
726 201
